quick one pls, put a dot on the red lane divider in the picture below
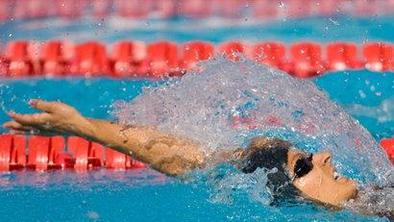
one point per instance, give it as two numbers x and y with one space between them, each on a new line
42 153
379 56
232 50
388 146
342 56
164 58
55 57
90 59
307 61
19 61
193 52
133 9
127 58
12 152
270 53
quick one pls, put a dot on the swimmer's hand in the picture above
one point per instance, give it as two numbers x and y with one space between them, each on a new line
56 117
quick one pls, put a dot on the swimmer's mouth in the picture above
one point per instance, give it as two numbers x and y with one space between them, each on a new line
338 177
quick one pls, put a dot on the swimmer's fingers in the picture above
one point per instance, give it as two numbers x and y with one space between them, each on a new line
45 106
18 132
16 127
34 120
58 109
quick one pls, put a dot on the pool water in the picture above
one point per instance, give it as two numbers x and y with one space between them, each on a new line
320 29
145 195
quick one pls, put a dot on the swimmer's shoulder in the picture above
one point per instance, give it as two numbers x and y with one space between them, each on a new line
228 155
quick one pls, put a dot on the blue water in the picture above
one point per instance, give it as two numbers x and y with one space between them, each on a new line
355 29
145 195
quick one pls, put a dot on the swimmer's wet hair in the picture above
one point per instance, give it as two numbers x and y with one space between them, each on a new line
270 153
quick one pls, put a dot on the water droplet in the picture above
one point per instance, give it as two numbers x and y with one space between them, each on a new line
362 94
333 21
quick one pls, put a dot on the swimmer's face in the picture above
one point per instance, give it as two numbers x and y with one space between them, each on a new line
321 182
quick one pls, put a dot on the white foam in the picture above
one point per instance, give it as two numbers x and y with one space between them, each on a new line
202 107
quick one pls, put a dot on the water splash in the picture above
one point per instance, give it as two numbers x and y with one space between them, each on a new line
384 112
227 184
374 201
230 102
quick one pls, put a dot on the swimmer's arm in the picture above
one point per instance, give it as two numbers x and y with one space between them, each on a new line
166 153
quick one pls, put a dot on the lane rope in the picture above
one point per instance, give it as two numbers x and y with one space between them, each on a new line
162 9
136 59
40 153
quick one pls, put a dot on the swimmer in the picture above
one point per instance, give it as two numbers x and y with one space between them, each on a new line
310 175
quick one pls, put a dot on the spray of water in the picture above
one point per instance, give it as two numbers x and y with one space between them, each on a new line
383 113
228 102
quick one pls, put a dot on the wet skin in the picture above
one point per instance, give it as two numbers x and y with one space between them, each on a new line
170 154
322 183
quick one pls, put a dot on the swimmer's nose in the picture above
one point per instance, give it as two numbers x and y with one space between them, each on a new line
323 158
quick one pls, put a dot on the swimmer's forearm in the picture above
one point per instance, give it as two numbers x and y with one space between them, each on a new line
106 133
165 153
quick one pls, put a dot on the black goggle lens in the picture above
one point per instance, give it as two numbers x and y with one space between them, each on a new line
303 166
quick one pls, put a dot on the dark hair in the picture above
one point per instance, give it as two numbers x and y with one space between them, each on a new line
270 153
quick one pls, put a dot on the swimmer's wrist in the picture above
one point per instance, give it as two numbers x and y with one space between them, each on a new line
82 127
87 128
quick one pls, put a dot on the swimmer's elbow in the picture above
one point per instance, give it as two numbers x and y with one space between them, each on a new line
177 166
